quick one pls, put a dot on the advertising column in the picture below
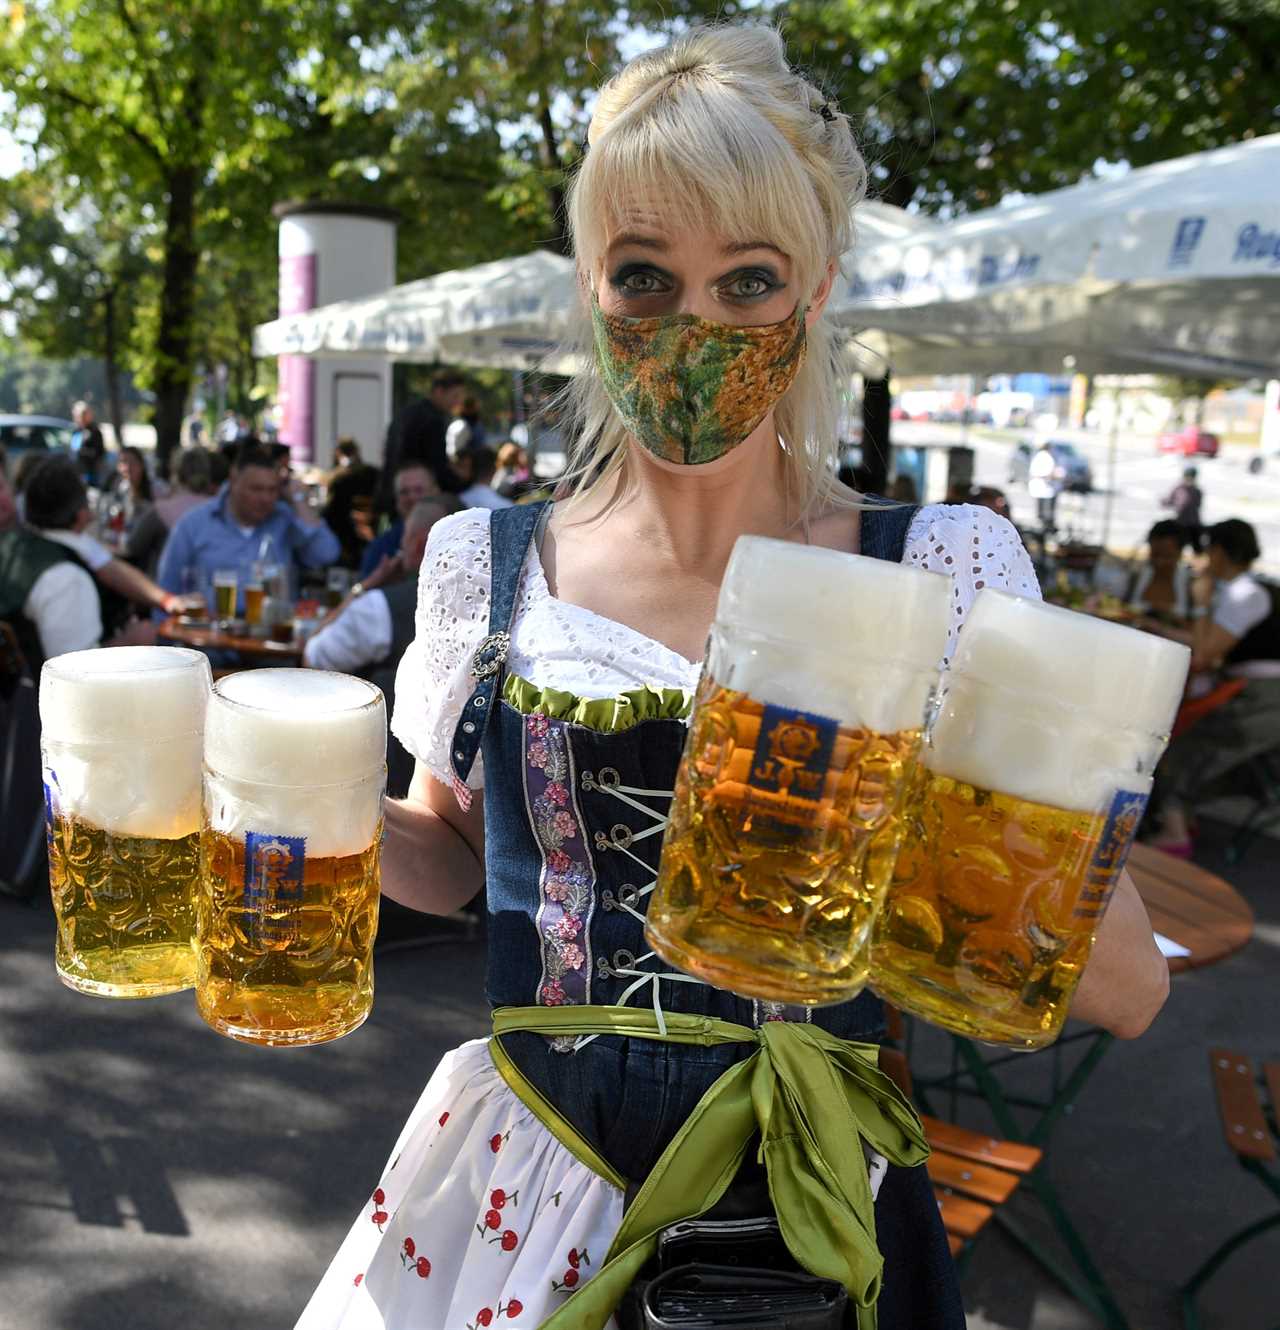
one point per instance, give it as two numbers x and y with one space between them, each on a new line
297 373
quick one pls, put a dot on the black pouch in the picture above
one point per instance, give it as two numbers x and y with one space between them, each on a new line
715 1296
731 1268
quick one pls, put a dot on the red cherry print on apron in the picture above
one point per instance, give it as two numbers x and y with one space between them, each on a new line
569 1280
379 1216
483 1317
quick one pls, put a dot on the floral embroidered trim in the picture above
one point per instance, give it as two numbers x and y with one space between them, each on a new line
566 886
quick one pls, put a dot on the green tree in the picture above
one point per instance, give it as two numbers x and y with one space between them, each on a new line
961 102
156 103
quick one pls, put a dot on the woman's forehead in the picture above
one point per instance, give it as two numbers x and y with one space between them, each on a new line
661 227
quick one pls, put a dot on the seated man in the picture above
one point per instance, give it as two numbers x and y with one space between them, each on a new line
374 626
1235 629
247 522
57 506
46 594
477 466
413 483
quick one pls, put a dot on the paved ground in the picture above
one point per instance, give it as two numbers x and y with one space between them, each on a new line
1141 480
154 1175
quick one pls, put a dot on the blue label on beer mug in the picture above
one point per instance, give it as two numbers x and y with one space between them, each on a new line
793 753
273 884
1112 851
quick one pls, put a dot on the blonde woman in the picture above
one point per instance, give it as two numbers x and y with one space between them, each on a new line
708 218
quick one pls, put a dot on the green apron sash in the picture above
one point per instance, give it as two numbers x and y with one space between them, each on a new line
810 1095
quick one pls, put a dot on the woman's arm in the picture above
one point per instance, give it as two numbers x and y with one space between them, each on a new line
133 584
433 857
1126 980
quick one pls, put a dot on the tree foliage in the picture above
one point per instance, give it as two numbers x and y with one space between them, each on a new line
961 102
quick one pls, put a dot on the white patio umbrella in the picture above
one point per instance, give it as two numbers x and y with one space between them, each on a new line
1172 266
510 314
507 314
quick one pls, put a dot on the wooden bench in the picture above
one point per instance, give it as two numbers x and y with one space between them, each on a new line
973 1174
1251 1136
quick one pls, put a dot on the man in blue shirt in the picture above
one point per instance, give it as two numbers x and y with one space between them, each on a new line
413 483
247 523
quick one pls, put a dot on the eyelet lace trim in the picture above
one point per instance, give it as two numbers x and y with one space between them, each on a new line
558 645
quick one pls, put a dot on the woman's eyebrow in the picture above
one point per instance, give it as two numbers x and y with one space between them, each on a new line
638 239
742 246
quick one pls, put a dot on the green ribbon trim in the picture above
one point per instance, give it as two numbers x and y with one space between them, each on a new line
558 1125
605 715
810 1095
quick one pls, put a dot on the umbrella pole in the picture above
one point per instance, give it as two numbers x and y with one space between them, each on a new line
1112 443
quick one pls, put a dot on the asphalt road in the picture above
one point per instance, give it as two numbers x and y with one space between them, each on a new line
1142 478
156 1176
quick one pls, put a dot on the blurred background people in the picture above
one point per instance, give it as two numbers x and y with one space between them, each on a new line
249 521
1234 632
476 467
413 482
192 486
57 507
349 505
512 473
375 625
419 433
465 430
1161 587
86 442
1186 499
47 596
1044 481
128 499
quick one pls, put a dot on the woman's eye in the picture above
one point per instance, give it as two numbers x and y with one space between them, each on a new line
637 281
750 285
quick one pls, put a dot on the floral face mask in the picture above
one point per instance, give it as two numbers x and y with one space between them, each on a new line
689 389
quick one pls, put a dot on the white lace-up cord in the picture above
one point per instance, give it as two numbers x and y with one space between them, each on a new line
639 977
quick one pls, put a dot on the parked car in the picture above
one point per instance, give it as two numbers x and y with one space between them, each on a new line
1072 469
1190 442
20 434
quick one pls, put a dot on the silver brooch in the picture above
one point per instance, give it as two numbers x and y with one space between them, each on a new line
490 655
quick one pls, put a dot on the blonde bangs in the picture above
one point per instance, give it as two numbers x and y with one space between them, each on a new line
719 130
710 161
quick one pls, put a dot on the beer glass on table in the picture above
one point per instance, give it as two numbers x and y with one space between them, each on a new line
1031 784
805 728
255 595
121 739
287 907
225 583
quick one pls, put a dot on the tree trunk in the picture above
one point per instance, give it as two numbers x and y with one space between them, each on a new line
110 350
177 300
550 154
875 433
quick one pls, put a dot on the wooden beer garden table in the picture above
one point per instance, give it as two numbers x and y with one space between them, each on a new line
1188 905
207 636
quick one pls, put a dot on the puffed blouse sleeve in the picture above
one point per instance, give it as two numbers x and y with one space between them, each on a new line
977 548
434 680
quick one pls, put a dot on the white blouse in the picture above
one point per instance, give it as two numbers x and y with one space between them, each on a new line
558 645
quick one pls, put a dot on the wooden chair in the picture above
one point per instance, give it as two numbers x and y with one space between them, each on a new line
1251 1137
973 1174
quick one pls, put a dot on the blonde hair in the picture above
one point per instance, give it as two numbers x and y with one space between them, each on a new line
752 151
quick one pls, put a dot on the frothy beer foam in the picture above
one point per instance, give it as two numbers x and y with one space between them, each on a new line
840 635
297 753
1055 706
121 732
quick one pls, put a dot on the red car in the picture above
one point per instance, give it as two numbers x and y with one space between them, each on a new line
1189 442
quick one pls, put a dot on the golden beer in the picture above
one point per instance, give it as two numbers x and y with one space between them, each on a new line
784 825
285 950
125 910
768 887
289 855
254 596
224 598
1021 817
121 748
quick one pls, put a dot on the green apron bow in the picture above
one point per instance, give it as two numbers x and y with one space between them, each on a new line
810 1095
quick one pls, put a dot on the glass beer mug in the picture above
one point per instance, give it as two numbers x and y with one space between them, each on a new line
121 732
287 907
1031 784
806 724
